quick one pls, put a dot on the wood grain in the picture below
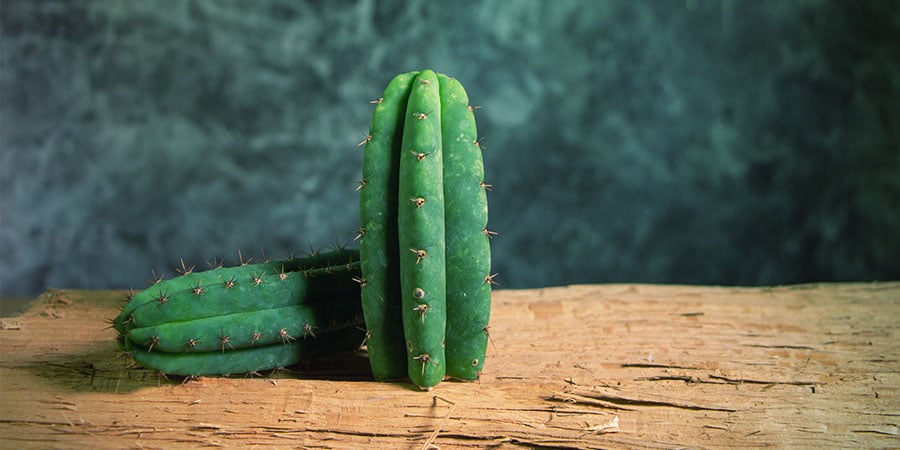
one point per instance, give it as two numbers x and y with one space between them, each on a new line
594 366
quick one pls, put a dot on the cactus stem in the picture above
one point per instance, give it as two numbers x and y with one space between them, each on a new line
184 270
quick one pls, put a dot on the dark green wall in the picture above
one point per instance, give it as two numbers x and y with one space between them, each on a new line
731 142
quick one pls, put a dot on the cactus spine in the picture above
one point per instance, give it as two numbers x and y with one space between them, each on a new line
245 318
425 185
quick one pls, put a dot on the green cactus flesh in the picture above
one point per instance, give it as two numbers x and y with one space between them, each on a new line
420 218
468 245
379 253
428 190
201 284
253 317
249 329
246 360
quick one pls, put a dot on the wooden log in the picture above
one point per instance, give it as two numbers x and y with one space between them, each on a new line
594 366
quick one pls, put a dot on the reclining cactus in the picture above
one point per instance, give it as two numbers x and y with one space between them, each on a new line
245 318
424 245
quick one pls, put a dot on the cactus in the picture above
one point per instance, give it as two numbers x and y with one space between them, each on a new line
424 245
423 270
245 318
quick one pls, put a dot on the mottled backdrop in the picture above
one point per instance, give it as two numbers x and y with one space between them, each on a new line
732 142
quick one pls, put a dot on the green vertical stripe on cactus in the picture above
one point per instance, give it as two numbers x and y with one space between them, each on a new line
421 232
468 248
379 253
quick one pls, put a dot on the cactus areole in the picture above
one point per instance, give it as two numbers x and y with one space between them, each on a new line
424 246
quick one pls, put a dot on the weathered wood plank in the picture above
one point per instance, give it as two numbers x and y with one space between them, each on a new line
638 366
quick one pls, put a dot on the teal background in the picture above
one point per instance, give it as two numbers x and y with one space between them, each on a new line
716 142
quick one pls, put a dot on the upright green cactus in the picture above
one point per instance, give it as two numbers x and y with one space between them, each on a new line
245 318
423 209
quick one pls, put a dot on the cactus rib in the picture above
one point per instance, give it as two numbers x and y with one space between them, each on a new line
246 360
379 254
468 248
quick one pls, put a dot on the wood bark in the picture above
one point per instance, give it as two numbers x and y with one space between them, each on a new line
591 366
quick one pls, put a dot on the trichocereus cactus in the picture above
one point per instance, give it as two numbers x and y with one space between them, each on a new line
424 246
245 318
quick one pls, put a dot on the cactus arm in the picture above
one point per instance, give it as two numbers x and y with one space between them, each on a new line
379 254
421 227
242 289
245 360
250 329
187 282
468 248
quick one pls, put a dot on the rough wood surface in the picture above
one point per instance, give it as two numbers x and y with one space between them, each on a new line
631 366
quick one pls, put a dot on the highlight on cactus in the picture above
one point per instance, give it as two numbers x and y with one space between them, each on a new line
424 244
246 318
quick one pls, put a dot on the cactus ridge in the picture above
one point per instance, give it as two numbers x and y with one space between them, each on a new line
253 289
219 279
379 253
423 207
246 360
249 329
